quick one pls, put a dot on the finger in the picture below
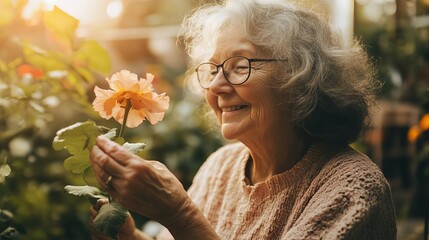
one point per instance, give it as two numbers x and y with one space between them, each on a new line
105 162
156 164
113 193
100 202
92 213
116 151
100 174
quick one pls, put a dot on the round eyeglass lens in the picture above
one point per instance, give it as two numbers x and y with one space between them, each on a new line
206 73
236 70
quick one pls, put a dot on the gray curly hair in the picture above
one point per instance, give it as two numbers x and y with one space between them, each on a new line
327 85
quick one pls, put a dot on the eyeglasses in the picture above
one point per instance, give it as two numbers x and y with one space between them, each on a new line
236 70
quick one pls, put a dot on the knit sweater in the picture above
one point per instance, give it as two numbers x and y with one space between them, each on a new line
331 193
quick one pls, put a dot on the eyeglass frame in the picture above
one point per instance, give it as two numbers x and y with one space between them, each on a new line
250 60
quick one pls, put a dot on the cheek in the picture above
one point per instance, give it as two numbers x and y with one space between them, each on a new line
211 99
264 107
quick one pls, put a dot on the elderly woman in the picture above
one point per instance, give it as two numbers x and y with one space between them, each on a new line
282 84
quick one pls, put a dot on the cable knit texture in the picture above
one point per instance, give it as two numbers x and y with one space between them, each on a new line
332 193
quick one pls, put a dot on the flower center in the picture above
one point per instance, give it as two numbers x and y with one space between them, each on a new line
135 99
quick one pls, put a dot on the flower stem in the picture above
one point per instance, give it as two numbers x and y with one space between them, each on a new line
124 123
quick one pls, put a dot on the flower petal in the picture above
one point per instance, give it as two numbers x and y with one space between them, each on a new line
101 97
158 103
123 81
145 103
135 118
146 84
153 117
118 114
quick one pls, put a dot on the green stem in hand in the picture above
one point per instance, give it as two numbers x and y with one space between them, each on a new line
127 111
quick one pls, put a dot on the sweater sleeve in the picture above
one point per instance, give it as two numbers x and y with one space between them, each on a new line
351 200
200 188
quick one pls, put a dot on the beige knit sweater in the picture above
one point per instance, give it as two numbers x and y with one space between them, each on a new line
332 193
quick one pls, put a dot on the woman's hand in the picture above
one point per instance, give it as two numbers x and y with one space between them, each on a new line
146 187
150 189
127 231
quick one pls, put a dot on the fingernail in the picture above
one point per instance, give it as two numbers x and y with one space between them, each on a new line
101 138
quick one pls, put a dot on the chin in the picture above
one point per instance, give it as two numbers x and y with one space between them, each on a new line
230 133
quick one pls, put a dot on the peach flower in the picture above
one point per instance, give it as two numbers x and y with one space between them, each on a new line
24 69
145 103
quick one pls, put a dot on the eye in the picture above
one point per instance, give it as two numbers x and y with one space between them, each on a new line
241 68
213 72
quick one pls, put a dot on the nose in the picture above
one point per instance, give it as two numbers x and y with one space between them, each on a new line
220 84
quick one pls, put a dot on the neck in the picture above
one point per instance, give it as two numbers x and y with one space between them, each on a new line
275 155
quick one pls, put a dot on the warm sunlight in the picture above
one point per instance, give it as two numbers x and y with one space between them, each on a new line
114 8
87 12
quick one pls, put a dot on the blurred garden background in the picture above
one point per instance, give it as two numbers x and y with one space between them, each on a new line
53 53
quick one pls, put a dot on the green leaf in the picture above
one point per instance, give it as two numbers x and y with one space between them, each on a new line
77 137
4 172
110 134
6 217
77 164
119 140
89 177
61 24
77 82
92 56
85 74
48 61
110 219
9 233
85 191
134 147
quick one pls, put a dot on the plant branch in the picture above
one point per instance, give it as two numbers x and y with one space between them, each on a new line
124 123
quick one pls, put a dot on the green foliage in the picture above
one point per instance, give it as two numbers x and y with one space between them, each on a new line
44 84
85 191
398 48
43 66
9 233
61 24
4 171
6 229
78 139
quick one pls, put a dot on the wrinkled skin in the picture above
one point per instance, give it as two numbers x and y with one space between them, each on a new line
145 187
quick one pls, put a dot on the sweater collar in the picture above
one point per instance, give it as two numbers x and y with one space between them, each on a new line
314 158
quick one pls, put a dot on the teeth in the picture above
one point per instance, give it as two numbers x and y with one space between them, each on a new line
233 108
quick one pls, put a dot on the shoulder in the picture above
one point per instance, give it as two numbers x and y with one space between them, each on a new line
351 197
352 177
353 167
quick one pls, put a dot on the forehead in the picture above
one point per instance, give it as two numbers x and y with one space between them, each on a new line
232 41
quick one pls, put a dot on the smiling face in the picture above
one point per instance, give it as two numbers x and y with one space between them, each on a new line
249 111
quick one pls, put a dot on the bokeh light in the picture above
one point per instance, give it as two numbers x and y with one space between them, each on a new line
114 9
